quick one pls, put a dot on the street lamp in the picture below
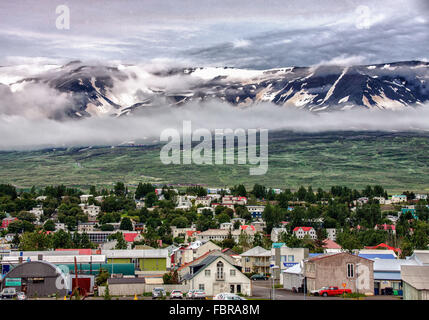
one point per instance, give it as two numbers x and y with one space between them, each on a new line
273 267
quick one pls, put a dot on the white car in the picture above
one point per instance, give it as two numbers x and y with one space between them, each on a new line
190 294
21 296
176 294
227 296
316 292
199 294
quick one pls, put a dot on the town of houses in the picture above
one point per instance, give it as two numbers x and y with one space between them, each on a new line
214 240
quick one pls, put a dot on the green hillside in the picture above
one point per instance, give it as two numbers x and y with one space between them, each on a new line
396 161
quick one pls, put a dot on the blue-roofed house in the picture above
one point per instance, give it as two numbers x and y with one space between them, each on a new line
387 274
377 254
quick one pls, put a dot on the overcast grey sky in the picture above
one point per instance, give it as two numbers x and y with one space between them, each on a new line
252 34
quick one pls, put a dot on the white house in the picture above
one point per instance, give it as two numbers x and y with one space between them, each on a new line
256 211
205 201
92 212
37 211
397 198
215 274
332 233
85 197
301 232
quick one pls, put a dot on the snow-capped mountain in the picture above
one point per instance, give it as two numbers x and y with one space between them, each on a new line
96 90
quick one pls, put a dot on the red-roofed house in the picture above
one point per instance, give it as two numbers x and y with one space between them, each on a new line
301 232
329 244
132 236
387 227
6 221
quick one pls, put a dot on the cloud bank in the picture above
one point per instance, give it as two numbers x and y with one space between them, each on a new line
21 133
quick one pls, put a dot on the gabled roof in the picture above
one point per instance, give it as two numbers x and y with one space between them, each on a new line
416 276
329 244
305 229
204 264
328 255
256 252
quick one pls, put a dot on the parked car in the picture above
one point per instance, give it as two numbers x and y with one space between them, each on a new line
258 277
21 296
190 294
176 294
227 296
333 291
199 294
158 293
316 292
8 293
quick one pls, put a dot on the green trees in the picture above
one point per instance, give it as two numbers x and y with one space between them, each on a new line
272 216
150 199
119 237
349 240
259 191
143 189
49 226
35 241
126 224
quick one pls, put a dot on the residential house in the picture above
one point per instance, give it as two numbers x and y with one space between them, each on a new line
415 282
259 225
301 232
180 232
387 274
256 211
256 260
85 198
92 212
420 196
340 268
6 221
193 251
204 201
85 226
285 257
373 254
226 226
215 274
386 227
332 233
276 234
398 198
183 203
203 209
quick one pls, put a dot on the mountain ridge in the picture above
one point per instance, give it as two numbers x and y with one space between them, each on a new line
96 90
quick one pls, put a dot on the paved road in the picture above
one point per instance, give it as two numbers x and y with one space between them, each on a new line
263 290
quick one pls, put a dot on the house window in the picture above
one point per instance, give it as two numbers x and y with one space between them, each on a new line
232 272
247 270
201 286
350 270
247 259
291 258
207 272
219 271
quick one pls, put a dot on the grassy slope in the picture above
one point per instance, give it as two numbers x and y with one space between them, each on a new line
397 161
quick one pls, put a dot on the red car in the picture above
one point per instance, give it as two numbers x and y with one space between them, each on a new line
332 291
